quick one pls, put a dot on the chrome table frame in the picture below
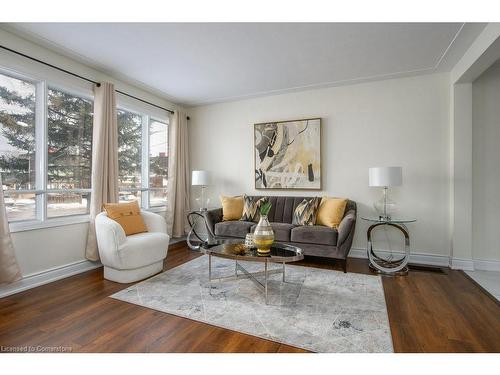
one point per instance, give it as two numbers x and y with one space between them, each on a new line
389 267
247 275
191 218
251 275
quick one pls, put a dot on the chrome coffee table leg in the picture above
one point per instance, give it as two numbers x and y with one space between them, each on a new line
210 272
283 271
265 279
243 273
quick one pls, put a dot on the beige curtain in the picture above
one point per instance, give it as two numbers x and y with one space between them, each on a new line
178 176
104 159
9 269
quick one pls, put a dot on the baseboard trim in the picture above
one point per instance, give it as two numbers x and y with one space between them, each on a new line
417 258
45 277
484 290
462 264
486 265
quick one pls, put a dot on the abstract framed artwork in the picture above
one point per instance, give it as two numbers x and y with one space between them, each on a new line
288 154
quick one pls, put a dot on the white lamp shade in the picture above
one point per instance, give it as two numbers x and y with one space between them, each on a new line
202 178
385 176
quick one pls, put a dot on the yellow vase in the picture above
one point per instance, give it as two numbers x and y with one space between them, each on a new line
263 236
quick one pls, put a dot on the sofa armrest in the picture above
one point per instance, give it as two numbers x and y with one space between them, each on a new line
213 217
346 226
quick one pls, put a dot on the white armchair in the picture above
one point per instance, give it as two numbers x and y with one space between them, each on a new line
131 258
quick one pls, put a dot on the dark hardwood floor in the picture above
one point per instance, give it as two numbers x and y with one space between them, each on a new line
428 312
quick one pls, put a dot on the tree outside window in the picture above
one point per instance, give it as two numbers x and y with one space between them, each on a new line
17 146
63 188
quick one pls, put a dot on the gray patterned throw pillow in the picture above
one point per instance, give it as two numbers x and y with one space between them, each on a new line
251 208
305 213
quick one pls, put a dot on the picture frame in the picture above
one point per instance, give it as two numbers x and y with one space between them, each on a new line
287 155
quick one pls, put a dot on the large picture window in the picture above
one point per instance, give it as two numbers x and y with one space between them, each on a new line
45 150
46 153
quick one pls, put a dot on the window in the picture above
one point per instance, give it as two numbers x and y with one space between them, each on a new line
142 159
69 153
158 163
45 150
129 155
17 146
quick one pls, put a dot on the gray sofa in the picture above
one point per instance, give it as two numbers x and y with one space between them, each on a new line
314 240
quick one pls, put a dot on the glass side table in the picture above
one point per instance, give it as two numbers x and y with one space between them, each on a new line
198 221
388 265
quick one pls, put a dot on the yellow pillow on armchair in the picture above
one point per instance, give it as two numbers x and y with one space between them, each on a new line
128 215
331 212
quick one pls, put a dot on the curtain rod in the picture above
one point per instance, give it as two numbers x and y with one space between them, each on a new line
81 77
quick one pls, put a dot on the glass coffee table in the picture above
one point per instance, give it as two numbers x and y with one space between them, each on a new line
236 249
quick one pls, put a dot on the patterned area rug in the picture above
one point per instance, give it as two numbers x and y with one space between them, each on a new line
315 309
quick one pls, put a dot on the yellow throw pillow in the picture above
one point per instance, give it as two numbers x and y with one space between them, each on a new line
232 207
128 215
331 212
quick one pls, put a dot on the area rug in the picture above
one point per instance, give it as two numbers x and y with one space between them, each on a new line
315 309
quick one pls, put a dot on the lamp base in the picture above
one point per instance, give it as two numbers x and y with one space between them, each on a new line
384 217
385 207
202 201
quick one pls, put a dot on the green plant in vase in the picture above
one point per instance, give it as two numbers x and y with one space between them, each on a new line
263 236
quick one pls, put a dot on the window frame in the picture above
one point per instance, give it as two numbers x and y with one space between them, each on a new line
38 87
167 124
146 119
47 191
43 80
41 191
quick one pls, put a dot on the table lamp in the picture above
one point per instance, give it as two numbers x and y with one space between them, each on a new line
203 179
385 177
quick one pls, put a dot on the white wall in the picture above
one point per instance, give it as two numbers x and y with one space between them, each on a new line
394 122
42 250
483 53
486 165
462 172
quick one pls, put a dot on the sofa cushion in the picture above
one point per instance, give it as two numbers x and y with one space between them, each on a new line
282 231
314 234
234 228
323 251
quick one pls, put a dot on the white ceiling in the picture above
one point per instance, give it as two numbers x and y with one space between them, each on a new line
197 63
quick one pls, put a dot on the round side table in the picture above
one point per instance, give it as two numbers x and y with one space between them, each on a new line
388 266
